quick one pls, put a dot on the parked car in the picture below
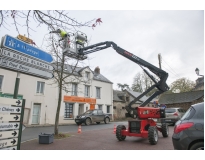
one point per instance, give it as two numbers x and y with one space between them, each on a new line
91 116
173 115
189 130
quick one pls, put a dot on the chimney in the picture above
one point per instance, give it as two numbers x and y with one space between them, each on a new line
97 70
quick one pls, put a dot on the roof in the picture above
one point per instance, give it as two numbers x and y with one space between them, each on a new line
183 97
136 94
76 71
117 94
100 77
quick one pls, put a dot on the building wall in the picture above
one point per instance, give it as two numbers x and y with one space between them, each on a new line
48 102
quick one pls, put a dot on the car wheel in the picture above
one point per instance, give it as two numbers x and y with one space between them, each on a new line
197 146
153 135
119 136
87 121
98 122
165 130
107 120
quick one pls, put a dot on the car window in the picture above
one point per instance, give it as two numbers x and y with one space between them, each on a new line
181 110
189 114
169 110
88 111
100 112
95 112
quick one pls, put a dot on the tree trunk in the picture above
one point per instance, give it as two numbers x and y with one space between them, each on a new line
59 99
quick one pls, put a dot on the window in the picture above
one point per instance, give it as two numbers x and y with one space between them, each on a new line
87 91
1 81
100 107
108 109
40 87
100 112
95 112
68 110
74 89
97 92
87 76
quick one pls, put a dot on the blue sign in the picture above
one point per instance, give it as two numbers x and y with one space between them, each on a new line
20 46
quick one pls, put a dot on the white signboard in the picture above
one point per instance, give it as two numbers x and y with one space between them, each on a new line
24 69
8 117
8 142
9 134
8 126
22 58
10 101
9 148
4 109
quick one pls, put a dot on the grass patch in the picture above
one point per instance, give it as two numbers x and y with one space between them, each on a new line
61 135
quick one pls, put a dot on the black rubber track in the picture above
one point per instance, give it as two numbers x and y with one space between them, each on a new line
165 130
151 136
118 132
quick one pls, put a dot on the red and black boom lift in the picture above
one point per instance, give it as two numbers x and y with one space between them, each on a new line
142 124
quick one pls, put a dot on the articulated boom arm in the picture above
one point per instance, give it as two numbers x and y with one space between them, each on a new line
160 85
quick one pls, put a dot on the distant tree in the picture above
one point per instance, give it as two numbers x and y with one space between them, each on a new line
142 82
182 85
123 86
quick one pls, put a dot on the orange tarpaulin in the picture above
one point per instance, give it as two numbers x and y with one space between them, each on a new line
79 99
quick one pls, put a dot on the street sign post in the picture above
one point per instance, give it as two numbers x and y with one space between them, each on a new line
24 59
8 117
6 63
15 102
8 142
7 134
22 47
6 109
8 126
11 125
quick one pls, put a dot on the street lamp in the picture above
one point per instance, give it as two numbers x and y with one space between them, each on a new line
197 72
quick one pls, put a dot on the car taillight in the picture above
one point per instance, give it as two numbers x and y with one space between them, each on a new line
175 114
180 127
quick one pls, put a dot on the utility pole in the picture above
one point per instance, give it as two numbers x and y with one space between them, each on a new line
160 60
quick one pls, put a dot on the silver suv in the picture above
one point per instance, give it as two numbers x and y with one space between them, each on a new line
173 115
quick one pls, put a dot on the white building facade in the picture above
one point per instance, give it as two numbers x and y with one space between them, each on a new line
93 91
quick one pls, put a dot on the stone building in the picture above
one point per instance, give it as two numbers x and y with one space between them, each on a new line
183 100
122 99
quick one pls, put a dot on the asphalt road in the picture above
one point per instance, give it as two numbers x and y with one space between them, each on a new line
93 137
30 133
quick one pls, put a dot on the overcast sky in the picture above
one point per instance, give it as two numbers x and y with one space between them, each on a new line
177 35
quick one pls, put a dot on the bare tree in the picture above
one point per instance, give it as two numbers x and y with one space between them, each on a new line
142 82
182 85
65 73
53 19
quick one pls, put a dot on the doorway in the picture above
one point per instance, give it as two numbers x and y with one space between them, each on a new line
36 113
81 109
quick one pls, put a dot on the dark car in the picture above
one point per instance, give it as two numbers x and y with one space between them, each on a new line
173 115
189 130
91 116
